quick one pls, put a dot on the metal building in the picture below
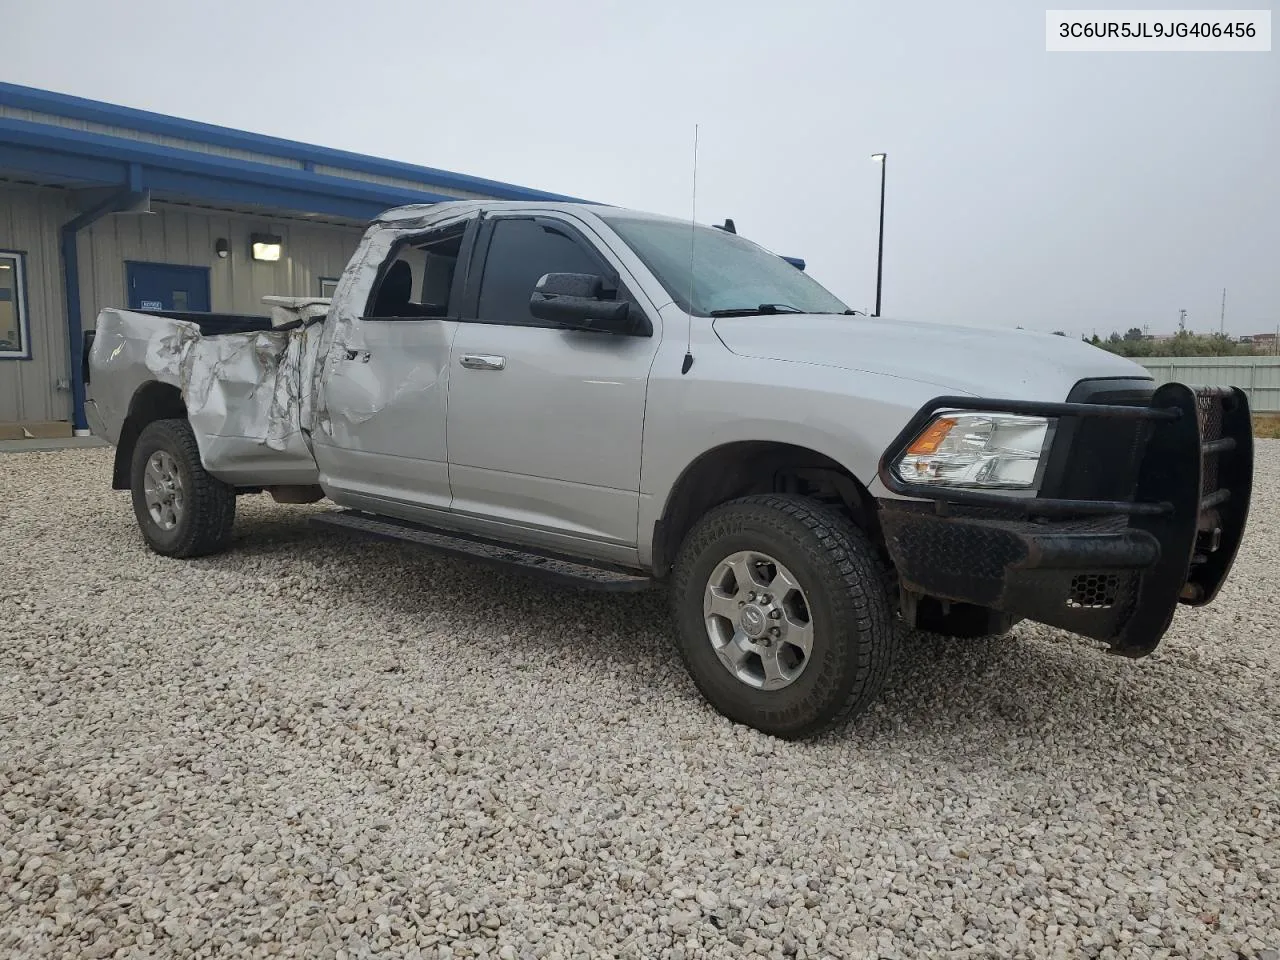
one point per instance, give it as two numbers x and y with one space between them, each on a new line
102 205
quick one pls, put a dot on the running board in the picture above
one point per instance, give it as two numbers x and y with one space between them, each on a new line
569 572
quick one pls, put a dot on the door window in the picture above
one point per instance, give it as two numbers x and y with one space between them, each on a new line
520 252
416 279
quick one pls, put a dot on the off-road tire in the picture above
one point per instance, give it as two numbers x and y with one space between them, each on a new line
854 641
209 505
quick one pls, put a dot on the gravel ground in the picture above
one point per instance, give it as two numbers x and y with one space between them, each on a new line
318 747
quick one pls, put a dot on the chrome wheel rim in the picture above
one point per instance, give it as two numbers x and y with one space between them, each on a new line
758 620
162 490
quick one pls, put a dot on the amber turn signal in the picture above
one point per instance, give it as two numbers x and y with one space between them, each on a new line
929 441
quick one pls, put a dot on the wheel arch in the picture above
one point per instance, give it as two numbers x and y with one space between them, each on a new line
150 402
745 467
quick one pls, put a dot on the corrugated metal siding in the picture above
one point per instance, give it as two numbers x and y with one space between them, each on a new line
1259 377
237 284
402 182
13 113
30 218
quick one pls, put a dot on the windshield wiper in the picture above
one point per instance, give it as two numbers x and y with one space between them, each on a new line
764 308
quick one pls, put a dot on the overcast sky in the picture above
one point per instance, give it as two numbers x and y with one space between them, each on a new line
1056 191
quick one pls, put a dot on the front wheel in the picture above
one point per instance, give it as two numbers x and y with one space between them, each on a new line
781 615
182 510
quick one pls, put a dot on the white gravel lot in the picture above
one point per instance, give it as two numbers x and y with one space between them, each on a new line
313 746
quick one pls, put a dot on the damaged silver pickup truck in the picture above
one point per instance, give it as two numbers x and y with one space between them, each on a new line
541 385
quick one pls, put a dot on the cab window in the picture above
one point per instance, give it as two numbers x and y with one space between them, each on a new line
520 252
416 280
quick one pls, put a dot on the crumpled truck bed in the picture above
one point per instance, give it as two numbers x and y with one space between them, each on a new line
243 392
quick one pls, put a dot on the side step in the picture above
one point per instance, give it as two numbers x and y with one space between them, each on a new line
568 572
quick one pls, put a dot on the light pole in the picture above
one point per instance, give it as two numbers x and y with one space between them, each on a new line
884 163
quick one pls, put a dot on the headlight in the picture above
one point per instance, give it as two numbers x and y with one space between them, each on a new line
991 450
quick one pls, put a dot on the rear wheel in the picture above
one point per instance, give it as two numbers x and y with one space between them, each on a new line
182 510
781 615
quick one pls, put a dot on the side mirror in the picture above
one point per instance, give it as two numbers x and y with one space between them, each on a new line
579 301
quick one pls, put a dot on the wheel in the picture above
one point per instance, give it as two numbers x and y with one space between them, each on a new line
781 616
181 510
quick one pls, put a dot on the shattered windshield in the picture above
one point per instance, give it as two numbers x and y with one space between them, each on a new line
733 276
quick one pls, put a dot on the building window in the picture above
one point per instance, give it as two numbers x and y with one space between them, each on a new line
15 343
328 285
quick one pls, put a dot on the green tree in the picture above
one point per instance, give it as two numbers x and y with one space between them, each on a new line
1182 344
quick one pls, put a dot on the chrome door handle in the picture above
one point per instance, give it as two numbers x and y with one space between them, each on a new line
483 361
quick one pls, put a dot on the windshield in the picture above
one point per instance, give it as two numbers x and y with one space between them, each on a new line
732 273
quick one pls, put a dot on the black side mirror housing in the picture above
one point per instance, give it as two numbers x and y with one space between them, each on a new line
580 301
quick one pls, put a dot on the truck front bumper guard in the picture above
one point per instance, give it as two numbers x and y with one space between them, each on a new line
1113 570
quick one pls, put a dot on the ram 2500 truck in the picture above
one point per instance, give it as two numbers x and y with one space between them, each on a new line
550 386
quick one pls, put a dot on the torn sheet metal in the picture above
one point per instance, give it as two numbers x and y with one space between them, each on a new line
288 309
242 394
130 349
342 332
254 399
242 390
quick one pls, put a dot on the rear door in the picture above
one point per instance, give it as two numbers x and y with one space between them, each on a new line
384 449
167 286
544 424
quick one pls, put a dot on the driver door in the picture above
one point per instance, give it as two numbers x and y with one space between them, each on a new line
545 424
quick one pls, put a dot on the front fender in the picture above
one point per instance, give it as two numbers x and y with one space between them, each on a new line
847 417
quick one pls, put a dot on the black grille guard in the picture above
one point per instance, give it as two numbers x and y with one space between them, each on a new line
1191 492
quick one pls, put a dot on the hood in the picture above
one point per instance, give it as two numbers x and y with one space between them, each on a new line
1011 364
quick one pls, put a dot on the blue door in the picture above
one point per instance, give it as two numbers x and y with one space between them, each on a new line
167 287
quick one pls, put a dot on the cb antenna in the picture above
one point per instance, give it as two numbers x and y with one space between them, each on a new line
693 235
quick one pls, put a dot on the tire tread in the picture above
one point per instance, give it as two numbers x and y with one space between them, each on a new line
834 542
210 502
